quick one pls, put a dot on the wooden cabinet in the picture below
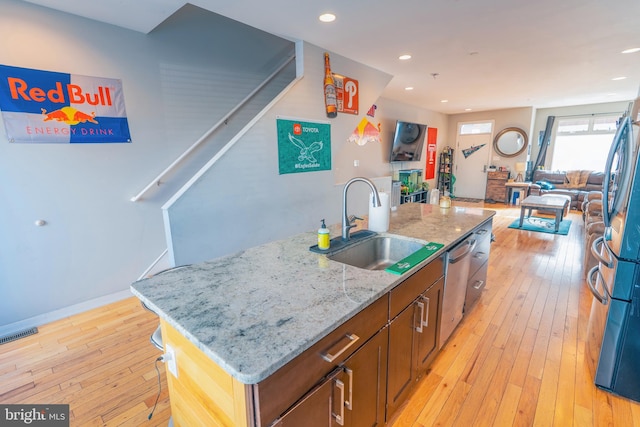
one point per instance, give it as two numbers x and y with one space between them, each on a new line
351 396
278 392
496 181
413 333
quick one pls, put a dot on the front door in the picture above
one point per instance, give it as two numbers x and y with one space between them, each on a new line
474 140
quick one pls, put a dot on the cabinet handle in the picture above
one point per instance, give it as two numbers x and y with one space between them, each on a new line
349 403
331 357
340 417
479 255
479 284
425 322
419 327
481 232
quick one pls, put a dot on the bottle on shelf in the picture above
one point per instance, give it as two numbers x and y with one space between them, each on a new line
330 98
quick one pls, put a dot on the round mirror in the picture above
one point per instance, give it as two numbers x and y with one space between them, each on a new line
510 142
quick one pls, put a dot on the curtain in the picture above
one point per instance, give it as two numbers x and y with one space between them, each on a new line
544 143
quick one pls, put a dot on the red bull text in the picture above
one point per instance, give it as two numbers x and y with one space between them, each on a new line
19 89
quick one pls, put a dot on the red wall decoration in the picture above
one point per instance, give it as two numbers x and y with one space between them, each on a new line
430 169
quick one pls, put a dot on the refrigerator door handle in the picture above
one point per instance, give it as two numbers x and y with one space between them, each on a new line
602 299
596 252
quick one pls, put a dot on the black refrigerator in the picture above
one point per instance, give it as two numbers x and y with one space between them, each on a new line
613 334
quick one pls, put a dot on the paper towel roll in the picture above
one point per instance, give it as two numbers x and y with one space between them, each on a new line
379 216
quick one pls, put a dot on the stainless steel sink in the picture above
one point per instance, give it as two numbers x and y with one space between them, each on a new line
376 253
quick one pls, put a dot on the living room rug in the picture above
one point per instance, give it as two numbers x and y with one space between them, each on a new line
467 199
542 225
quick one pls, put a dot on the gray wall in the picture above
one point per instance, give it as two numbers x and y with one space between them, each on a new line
242 200
96 242
177 82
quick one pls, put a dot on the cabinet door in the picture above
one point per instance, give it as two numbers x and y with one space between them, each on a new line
429 309
366 376
402 357
321 407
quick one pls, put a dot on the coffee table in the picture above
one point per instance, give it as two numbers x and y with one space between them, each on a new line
554 204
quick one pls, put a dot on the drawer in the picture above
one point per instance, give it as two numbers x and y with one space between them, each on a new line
404 294
283 388
480 254
475 285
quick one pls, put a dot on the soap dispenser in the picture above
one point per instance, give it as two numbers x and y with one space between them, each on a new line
323 237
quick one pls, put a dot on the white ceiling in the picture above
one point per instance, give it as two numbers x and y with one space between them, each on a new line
487 55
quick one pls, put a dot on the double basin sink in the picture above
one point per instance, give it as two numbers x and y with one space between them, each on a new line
376 252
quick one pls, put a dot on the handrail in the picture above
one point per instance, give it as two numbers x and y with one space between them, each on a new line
224 119
153 264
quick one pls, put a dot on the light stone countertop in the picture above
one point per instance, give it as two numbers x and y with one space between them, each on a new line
254 311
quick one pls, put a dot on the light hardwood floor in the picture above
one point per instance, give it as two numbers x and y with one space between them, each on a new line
518 358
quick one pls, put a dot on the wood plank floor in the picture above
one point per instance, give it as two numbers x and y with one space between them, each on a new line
517 359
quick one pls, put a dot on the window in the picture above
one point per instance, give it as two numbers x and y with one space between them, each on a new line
583 142
476 128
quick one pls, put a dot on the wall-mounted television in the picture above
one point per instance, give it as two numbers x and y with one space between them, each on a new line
408 141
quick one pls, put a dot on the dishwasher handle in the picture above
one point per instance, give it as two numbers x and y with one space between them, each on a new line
470 246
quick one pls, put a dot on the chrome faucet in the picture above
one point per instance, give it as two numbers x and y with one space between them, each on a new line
346 220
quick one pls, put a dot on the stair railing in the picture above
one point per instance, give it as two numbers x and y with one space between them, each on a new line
158 180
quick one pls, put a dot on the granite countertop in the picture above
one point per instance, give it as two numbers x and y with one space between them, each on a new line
254 311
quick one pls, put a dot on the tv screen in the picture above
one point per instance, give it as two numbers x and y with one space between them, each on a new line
408 141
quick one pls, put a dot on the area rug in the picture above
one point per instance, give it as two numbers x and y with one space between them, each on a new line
466 199
542 225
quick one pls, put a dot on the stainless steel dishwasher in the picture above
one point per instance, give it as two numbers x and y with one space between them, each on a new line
456 268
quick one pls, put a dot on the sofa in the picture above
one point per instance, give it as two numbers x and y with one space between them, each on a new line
575 184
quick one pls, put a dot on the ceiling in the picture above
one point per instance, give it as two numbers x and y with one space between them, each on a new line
478 55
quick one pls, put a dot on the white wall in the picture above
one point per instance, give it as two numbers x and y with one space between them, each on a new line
512 117
543 113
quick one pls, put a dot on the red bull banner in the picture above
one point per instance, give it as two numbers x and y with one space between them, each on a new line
46 106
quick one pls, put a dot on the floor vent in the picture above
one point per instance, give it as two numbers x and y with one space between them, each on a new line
18 335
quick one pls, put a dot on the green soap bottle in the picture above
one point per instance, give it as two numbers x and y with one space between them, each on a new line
323 237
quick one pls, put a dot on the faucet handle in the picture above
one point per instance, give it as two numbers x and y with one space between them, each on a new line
353 218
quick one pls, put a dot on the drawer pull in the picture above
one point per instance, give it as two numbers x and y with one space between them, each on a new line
419 327
340 416
352 340
478 284
349 403
479 255
425 322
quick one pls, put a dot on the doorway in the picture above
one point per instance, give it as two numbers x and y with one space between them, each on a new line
471 158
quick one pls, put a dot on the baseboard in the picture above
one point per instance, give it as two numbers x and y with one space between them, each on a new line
51 316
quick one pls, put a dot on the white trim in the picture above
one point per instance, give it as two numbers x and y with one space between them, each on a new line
51 316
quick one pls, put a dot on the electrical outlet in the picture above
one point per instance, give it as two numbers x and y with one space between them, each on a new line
170 358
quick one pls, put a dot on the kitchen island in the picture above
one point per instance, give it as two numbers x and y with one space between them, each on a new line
253 312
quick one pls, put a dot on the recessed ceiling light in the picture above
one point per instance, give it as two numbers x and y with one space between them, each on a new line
444 100
404 57
408 88
327 17
632 50
619 78
468 109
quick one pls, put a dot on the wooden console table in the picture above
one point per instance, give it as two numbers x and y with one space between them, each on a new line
496 181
